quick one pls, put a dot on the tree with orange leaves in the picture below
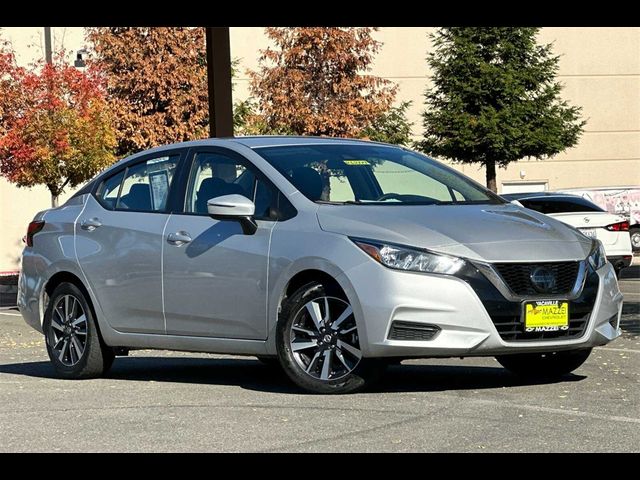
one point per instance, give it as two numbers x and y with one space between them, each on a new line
156 83
55 127
315 82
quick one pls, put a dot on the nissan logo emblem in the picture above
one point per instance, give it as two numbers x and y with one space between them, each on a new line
542 279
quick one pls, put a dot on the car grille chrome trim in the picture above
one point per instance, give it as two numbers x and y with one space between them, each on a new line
493 275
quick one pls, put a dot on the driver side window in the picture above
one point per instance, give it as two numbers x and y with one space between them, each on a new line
215 174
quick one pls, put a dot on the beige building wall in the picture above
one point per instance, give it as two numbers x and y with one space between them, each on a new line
600 68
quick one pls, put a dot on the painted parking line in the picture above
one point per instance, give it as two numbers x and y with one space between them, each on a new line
11 314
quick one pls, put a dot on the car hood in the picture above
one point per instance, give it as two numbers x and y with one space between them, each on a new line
490 233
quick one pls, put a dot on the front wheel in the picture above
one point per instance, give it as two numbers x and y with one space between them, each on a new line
318 343
71 335
544 365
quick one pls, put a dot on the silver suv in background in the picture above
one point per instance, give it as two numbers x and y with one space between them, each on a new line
332 257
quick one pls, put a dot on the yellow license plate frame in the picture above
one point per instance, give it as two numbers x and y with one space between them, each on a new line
546 315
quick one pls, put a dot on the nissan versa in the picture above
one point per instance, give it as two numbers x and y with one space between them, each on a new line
332 257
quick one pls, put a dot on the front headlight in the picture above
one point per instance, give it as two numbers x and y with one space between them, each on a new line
598 257
404 258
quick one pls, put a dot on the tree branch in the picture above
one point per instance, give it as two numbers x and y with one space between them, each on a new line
64 184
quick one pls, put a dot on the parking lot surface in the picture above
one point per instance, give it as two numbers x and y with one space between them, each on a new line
172 401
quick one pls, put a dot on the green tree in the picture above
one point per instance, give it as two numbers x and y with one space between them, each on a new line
495 99
391 126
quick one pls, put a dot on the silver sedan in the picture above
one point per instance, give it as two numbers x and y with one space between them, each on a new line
328 257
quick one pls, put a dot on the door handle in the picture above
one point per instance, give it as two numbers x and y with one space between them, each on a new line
178 238
90 224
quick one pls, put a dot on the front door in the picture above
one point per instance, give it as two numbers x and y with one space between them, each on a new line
215 277
119 244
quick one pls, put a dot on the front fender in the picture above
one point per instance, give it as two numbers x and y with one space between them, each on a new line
294 251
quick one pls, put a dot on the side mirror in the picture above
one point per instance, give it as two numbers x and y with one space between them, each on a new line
234 207
516 202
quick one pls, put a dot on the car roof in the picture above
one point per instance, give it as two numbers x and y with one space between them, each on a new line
547 195
282 140
256 141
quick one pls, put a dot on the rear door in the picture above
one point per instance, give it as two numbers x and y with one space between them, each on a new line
119 242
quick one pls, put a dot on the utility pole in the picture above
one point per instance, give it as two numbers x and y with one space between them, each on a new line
49 59
47 45
219 82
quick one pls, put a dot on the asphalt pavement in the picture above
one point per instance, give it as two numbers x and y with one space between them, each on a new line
171 401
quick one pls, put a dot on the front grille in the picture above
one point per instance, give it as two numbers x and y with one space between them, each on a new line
511 328
518 276
412 331
507 315
508 318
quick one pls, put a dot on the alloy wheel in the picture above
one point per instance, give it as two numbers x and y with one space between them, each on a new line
324 338
68 330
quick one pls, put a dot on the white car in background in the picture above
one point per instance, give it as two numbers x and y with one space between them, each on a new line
610 228
620 200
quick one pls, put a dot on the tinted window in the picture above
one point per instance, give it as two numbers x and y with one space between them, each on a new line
215 174
560 205
372 174
146 185
143 186
108 192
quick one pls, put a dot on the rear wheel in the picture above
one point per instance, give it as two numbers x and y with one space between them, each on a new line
71 335
318 343
544 365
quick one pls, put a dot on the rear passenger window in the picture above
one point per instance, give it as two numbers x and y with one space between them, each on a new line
108 192
143 187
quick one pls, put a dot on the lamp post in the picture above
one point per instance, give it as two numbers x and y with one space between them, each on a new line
47 45
80 56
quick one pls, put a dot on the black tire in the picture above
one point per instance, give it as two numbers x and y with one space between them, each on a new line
634 233
96 357
544 365
618 271
364 374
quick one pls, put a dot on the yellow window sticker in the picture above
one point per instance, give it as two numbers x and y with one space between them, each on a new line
356 162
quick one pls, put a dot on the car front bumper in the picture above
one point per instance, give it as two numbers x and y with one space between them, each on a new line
466 328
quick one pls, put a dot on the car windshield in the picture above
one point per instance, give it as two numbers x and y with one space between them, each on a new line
372 174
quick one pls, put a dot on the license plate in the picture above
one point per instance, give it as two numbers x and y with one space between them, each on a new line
589 232
546 316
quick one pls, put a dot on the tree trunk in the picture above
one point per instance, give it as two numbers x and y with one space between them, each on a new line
55 194
490 166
